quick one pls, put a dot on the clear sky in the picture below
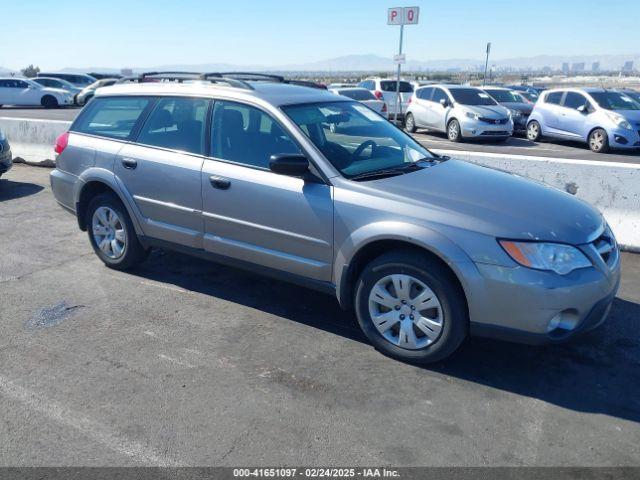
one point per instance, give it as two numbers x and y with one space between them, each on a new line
139 33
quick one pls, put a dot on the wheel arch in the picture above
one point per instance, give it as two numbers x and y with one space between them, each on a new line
95 183
352 258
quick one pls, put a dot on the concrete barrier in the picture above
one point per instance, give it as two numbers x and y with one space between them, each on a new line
32 140
612 187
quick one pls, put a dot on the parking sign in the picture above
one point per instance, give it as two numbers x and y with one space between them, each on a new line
403 15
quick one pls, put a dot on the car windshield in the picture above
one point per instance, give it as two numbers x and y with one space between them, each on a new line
391 86
357 94
505 96
355 139
471 96
615 101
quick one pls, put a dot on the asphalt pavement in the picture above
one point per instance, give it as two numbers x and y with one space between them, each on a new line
184 362
517 145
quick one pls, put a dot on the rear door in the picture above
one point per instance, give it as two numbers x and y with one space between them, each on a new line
254 215
162 169
551 112
420 106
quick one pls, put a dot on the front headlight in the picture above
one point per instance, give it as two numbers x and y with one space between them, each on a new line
619 120
556 257
515 113
471 115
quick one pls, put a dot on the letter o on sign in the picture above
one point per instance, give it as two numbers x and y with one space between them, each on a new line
411 15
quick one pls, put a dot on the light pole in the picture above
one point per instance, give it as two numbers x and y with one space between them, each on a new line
486 64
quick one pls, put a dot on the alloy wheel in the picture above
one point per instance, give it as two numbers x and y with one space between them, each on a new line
596 141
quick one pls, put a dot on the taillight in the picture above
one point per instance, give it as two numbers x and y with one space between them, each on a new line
61 143
378 94
410 98
384 107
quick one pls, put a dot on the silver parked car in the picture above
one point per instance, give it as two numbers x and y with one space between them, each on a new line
601 118
365 97
425 249
462 112
519 107
387 90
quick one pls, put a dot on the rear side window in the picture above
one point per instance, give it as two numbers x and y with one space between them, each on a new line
424 93
247 135
553 98
177 123
112 117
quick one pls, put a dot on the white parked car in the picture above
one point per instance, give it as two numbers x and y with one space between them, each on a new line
385 89
364 96
22 91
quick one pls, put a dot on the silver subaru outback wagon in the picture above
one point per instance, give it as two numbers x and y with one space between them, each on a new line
303 185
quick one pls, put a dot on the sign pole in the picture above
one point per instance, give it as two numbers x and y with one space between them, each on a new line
486 64
398 106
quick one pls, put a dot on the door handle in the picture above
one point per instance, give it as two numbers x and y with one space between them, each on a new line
129 163
219 182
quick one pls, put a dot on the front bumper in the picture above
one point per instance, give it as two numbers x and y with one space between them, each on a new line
521 304
623 139
471 128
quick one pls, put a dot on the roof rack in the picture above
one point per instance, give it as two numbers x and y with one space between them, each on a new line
247 76
175 76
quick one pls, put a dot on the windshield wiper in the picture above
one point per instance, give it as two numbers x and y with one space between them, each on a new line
392 172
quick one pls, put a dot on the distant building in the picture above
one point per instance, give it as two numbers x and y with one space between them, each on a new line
547 69
565 68
595 67
628 67
126 72
577 67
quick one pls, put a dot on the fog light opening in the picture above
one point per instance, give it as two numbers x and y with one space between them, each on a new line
562 323
620 139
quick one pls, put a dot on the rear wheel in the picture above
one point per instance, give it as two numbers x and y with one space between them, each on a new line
534 133
410 123
599 141
49 102
453 131
410 307
112 234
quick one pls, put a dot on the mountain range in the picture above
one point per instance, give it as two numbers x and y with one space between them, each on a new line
371 62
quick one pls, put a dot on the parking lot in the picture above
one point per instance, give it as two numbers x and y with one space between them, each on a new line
517 145
182 362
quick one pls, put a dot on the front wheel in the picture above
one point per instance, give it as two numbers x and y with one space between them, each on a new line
410 307
410 123
112 234
453 131
534 132
599 141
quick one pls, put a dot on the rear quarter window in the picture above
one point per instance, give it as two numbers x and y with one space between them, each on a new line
112 117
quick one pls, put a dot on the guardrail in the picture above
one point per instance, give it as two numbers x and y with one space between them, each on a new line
612 187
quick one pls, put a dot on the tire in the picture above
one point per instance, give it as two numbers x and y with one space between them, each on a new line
534 131
49 102
127 251
453 131
599 141
415 270
410 124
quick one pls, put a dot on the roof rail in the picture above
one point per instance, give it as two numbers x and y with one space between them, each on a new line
247 76
169 75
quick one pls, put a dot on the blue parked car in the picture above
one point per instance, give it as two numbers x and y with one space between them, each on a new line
601 118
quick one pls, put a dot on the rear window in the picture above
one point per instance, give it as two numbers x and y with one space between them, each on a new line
112 117
357 94
391 86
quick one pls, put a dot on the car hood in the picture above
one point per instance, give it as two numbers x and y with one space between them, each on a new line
493 202
632 115
489 111
520 106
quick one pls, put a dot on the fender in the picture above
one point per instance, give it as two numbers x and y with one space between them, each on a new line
420 236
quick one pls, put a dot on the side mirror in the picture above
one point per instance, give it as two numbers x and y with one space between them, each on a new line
583 109
444 102
292 164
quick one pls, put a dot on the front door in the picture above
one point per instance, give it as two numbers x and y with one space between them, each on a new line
254 215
